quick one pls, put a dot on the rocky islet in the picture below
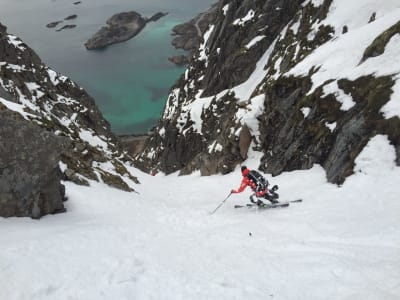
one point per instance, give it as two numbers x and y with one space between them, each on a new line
121 27
68 18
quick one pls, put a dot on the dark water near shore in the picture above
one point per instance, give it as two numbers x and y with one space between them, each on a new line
130 80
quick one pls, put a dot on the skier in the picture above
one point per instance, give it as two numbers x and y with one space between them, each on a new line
259 185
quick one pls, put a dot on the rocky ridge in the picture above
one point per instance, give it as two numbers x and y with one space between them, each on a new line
188 35
258 83
72 129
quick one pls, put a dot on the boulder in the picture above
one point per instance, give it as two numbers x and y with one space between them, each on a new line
244 141
30 177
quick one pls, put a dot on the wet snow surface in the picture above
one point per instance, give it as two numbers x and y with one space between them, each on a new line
340 243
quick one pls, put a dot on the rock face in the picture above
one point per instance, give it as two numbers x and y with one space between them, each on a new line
189 35
29 171
257 83
133 144
60 108
122 27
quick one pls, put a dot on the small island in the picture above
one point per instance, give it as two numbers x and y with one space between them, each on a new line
71 17
70 26
55 24
121 27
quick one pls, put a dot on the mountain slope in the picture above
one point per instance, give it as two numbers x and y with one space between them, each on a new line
302 81
340 243
51 105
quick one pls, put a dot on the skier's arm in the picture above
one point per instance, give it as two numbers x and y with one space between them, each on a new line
242 187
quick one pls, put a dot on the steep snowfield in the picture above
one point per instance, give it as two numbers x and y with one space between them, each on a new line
340 243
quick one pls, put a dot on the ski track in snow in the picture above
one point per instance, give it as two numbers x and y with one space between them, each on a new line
340 243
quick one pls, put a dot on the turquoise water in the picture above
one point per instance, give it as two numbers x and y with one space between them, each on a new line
130 80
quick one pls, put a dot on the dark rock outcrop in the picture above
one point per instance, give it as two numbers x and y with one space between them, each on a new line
235 62
378 45
216 114
29 168
3 28
121 27
291 142
228 64
59 106
189 35
134 144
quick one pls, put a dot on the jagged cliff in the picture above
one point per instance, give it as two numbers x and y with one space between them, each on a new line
51 131
301 82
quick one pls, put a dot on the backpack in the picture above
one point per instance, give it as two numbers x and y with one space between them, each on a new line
260 182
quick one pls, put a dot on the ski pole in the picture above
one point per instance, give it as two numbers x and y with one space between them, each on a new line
220 204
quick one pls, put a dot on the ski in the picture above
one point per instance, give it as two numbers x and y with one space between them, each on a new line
297 200
267 205
274 205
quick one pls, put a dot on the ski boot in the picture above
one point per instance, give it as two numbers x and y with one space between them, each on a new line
272 197
258 202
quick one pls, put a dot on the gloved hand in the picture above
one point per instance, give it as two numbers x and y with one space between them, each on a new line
233 191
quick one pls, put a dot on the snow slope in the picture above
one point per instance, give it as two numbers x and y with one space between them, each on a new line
340 243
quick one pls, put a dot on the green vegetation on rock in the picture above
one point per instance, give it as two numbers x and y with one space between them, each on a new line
378 45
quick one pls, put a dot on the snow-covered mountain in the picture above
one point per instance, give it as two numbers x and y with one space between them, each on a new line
303 82
49 123
279 85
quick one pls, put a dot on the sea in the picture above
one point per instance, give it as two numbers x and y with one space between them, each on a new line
129 81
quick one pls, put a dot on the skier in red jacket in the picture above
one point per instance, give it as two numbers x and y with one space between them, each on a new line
259 185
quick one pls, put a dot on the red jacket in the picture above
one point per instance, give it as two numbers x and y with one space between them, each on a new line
247 182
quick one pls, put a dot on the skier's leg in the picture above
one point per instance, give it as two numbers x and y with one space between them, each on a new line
272 197
260 203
